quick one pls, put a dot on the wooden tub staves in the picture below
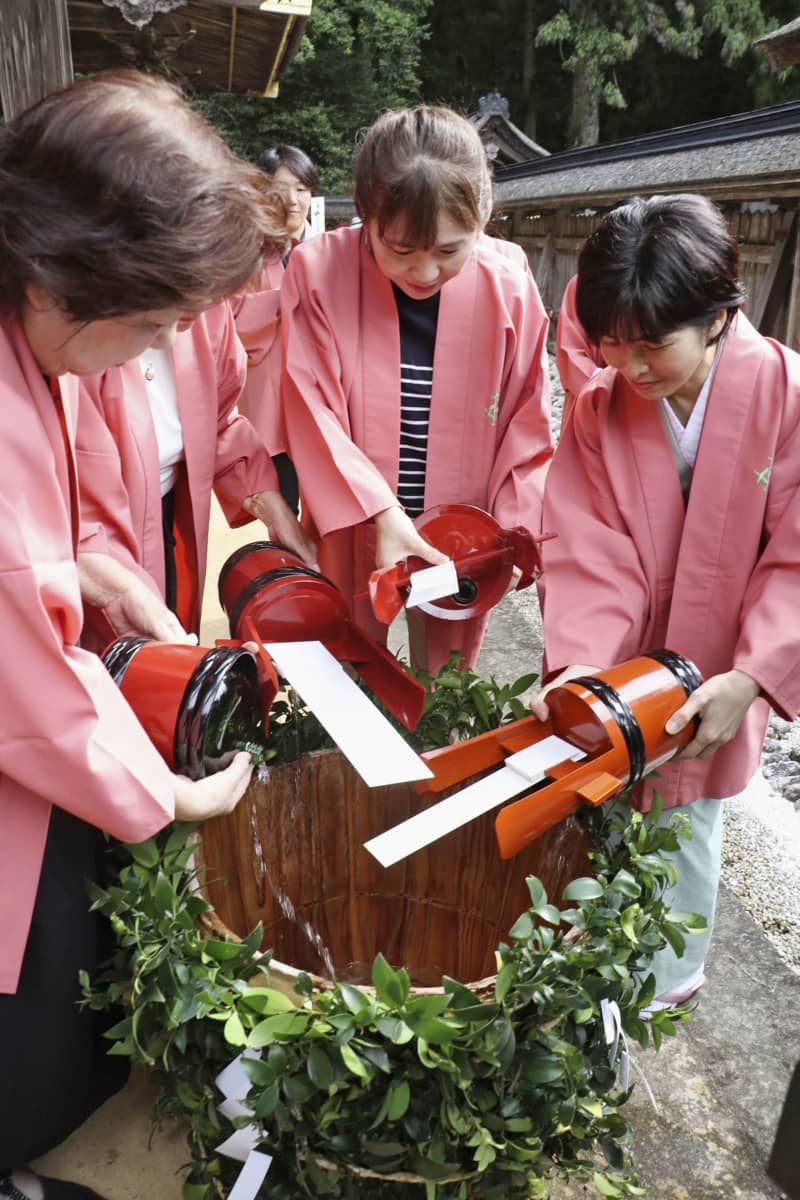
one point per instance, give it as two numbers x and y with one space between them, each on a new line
292 856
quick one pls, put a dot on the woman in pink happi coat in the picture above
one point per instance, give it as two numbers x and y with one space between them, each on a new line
257 310
415 364
578 358
675 492
120 211
155 437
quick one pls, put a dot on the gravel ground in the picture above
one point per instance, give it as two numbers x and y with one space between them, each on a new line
761 850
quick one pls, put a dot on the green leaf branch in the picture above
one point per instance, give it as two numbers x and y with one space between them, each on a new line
458 1094
459 704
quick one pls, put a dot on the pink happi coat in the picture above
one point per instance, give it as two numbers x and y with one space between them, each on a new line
719 582
257 316
489 440
68 737
118 461
578 359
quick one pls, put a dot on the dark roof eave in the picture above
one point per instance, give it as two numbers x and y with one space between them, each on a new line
722 170
524 147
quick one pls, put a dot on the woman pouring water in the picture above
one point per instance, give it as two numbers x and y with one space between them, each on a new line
121 214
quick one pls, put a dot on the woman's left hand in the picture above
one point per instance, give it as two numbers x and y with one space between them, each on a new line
283 525
720 703
538 703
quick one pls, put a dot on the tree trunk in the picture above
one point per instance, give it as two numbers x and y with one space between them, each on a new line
585 120
529 68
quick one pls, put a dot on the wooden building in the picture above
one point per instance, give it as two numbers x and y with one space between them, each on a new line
503 141
748 164
782 46
208 45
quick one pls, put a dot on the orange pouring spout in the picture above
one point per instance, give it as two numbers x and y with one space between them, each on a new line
520 823
618 716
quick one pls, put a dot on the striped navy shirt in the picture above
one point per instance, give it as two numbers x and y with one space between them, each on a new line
418 320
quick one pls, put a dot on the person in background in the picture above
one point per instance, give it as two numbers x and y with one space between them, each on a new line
257 312
415 365
675 493
121 215
155 437
578 359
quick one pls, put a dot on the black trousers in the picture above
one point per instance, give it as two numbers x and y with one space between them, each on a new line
287 481
784 1163
54 1070
170 570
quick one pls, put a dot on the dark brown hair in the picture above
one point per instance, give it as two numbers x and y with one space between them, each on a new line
116 197
654 265
294 159
415 164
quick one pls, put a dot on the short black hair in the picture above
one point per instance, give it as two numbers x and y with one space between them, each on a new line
654 265
294 159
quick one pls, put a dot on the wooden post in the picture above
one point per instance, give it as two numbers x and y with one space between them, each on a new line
793 315
35 54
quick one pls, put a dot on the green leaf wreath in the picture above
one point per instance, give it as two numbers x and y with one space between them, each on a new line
458 1094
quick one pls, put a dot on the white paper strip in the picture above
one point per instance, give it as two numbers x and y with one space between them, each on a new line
533 762
432 583
240 1144
232 1081
362 733
231 1108
614 1033
473 801
251 1176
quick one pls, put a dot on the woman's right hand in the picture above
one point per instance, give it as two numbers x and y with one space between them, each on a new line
214 796
398 539
130 606
282 525
538 704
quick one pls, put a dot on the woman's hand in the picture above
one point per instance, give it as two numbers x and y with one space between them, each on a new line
130 606
214 796
720 703
283 525
398 539
538 704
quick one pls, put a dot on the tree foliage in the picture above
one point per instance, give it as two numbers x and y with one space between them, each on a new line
646 65
357 58
729 76
595 38
639 65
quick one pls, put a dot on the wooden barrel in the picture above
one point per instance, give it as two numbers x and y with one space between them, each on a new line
292 855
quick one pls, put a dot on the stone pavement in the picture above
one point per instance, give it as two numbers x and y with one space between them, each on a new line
719 1084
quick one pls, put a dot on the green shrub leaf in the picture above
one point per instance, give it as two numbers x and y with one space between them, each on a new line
585 888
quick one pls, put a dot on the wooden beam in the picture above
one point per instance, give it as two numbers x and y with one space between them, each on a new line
771 297
35 55
280 8
232 47
271 90
793 315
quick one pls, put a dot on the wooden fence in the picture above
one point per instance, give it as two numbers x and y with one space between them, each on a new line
769 250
